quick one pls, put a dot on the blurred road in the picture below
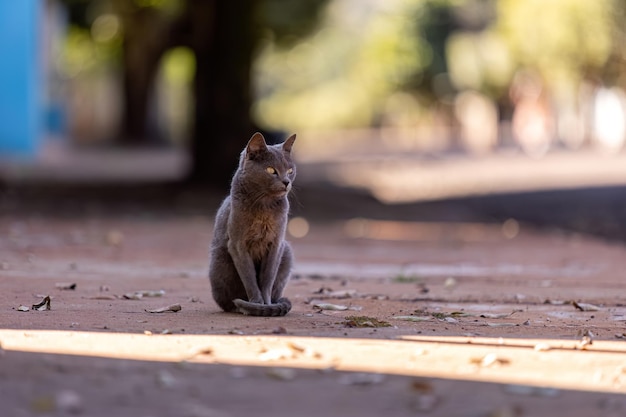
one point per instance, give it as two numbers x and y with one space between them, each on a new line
582 192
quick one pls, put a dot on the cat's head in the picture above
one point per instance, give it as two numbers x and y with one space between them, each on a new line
269 168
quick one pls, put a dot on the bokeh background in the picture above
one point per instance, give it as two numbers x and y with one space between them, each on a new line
512 108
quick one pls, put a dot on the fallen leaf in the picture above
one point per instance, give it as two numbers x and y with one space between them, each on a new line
555 302
132 296
23 308
65 285
328 292
496 316
412 318
585 306
138 295
173 308
341 294
365 321
328 306
43 304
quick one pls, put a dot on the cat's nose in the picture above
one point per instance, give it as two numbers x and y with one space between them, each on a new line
286 182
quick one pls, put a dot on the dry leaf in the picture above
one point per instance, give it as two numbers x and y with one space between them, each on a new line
585 306
328 292
365 321
173 308
328 306
138 295
495 316
132 296
65 285
412 318
43 304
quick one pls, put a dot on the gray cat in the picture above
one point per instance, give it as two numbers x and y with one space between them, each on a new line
250 259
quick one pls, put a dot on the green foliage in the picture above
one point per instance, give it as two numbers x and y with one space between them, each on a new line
559 38
340 75
287 21
351 70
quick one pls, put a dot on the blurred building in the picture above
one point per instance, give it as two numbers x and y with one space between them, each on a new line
31 103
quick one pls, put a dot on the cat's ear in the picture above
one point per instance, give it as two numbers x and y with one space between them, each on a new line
256 144
289 143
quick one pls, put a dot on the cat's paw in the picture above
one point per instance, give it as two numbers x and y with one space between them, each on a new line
280 308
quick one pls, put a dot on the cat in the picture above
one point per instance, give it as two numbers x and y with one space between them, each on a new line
251 261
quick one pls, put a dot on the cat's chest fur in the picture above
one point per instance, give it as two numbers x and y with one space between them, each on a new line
263 230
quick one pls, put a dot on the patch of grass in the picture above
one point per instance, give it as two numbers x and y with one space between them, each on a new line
365 321
407 279
442 315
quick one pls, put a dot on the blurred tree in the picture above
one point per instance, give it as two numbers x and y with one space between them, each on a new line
223 36
564 40
147 35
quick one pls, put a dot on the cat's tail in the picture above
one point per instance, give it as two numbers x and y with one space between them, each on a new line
280 308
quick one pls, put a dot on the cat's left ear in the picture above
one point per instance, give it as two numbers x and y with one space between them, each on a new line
287 145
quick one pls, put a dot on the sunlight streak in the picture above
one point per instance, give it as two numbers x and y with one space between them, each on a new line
598 367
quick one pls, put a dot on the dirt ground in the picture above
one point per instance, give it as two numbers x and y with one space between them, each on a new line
396 317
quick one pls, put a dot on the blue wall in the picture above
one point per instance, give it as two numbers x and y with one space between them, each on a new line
20 77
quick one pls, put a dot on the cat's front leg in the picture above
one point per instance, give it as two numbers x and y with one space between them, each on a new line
269 269
247 273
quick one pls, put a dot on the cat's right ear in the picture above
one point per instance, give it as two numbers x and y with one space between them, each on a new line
288 144
256 144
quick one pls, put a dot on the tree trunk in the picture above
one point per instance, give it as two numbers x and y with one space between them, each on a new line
222 39
146 38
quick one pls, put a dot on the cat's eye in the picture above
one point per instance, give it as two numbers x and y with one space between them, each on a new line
290 171
270 170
